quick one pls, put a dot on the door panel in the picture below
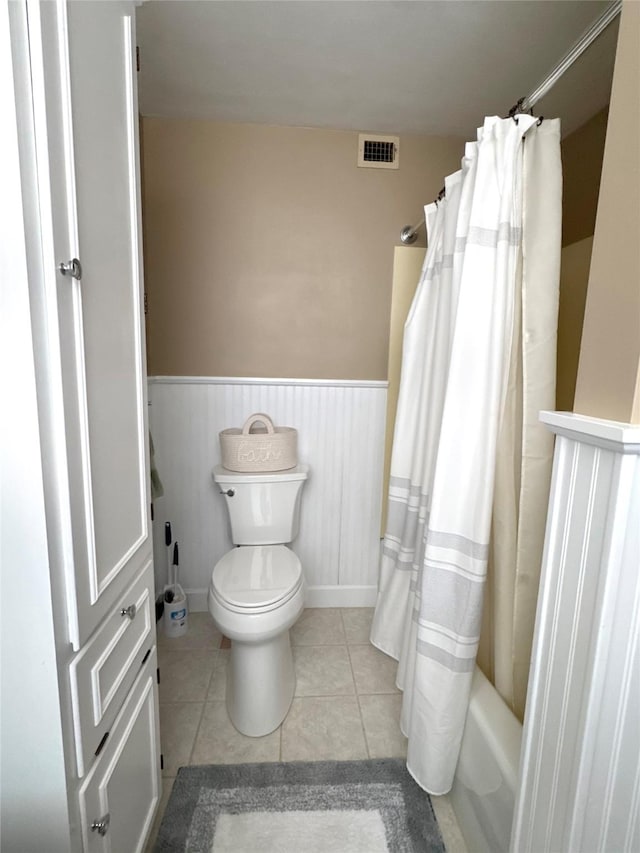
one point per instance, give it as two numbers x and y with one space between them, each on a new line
102 673
125 781
100 316
101 63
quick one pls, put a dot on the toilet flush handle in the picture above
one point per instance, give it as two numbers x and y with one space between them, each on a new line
229 492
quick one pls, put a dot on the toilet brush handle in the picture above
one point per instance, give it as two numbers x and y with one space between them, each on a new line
175 567
167 542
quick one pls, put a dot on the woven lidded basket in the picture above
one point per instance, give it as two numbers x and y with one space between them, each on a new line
267 449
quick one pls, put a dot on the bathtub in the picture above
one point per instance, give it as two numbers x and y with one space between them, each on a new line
484 789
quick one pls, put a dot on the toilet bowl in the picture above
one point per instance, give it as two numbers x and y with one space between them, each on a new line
257 593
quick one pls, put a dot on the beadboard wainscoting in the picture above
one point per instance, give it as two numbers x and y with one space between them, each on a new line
579 776
340 427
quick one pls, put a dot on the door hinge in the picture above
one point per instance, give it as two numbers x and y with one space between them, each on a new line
137 58
146 303
158 674
161 761
101 744
101 826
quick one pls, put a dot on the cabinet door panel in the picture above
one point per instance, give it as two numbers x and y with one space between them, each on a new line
102 673
124 784
100 318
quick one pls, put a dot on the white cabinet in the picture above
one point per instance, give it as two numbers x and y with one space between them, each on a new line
75 122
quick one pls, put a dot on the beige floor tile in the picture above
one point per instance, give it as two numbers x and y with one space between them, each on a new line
323 671
318 626
381 721
218 684
167 785
185 676
201 634
374 672
178 727
323 728
357 623
218 742
449 828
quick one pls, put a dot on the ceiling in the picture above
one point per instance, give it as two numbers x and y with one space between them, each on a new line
416 66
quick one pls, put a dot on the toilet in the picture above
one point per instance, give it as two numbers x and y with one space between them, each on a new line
257 593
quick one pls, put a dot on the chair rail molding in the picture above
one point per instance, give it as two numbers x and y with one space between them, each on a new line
579 772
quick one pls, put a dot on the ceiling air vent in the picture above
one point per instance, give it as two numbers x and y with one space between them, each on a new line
378 152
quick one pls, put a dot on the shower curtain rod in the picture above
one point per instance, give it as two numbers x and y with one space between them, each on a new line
409 233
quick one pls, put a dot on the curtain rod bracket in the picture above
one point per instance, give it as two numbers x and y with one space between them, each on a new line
409 235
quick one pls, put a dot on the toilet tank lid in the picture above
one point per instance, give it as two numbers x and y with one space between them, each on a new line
223 475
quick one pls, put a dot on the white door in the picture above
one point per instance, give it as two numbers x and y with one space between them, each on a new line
93 145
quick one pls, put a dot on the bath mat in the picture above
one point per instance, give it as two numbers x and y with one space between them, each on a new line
299 807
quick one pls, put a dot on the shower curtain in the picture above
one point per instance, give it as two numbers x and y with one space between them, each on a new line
478 364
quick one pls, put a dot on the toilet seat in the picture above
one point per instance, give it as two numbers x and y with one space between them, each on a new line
257 578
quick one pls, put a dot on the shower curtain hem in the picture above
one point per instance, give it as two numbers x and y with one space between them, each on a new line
419 783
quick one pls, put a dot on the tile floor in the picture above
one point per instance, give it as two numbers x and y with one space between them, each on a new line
346 704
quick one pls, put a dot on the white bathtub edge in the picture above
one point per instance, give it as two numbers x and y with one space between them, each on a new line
491 743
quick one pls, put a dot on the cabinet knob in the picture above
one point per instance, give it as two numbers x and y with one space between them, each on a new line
101 826
129 611
72 268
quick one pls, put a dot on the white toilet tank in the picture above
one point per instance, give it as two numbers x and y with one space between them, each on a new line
264 509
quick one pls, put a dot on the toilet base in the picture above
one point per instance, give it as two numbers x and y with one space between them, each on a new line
260 684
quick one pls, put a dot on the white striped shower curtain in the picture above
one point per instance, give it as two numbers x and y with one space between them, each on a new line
475 306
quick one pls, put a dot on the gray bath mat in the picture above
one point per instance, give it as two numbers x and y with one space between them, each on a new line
299 807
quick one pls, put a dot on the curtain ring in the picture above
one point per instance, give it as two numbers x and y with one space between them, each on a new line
516 108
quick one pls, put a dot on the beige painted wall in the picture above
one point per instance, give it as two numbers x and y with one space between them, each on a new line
582 153
608 384
574 276
268 252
